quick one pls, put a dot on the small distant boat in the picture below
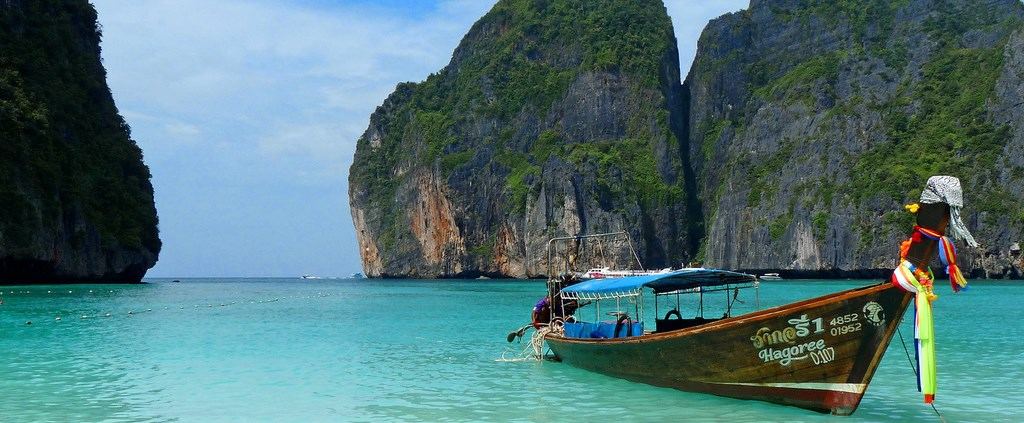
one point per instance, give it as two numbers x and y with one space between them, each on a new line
771 277
606 272
310 277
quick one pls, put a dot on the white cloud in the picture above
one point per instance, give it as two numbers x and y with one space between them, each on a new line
182 129
237 100
233 100
260 65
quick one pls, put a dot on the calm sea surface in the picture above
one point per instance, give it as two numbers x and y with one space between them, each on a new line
377 350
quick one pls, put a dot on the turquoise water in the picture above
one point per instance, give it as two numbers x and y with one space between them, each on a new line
370 350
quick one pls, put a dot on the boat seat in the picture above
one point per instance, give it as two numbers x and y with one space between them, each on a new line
600 330
668 325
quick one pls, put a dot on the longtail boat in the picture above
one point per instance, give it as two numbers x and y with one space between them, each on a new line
819 354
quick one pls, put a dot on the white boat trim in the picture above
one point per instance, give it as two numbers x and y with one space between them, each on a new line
853 388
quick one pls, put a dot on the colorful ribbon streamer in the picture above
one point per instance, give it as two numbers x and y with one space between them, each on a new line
915 281
920 283
947 254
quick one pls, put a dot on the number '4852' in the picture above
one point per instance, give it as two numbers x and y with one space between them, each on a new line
842 320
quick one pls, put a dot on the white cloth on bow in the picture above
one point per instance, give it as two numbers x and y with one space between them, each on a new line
946 189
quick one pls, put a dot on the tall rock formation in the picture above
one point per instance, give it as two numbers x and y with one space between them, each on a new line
553 118
76 203
801 130
813 122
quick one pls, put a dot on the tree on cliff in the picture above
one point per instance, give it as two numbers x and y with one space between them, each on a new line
76 201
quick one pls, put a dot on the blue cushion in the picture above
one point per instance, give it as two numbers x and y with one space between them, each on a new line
600 330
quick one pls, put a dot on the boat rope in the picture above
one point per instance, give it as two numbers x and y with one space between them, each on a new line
909 360
937 413
532 351
914 369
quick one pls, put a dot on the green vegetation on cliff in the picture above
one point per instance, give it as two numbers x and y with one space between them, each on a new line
66 159
834 113
500 100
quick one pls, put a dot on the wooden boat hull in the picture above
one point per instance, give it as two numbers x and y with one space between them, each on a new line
818 354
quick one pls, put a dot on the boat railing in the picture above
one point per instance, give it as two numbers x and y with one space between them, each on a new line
592 296
600 238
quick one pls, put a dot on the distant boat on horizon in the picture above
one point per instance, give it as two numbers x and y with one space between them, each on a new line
771 277
310 277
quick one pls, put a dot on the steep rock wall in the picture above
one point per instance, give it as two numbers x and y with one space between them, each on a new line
801 130
814 121
76 202
553 118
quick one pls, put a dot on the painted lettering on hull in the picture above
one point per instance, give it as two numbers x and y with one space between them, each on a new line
786 346
786 355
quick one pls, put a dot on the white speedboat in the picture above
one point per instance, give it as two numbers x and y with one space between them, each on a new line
605 272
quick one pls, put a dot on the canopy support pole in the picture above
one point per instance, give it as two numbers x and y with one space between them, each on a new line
701 290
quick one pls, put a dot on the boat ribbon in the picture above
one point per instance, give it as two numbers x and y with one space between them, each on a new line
947 255
920 282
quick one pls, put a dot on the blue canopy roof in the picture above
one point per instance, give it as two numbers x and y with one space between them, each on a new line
661 282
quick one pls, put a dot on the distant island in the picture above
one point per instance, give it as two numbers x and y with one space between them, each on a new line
791 145
76 203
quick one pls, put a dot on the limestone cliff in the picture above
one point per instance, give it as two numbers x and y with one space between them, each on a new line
553 118
76 202
814 121
801 130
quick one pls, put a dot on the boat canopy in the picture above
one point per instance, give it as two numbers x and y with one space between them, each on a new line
677 280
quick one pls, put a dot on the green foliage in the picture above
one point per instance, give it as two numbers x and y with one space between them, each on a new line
826 192
435 128
857 15
65 149
517 183
949 133
793 86
898 221
453 161
702 252
759 175
549 143
777 228
516 63
627 170
484 250
820 224
711 137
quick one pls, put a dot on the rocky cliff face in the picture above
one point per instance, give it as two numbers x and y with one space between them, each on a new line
801 130
814 121
76 202
553 118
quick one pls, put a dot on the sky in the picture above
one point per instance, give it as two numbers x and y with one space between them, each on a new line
248 112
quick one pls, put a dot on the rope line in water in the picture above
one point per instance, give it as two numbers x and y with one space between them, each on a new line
910 360
914 369
131 312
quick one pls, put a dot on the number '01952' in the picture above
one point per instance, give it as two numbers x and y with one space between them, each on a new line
844 324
